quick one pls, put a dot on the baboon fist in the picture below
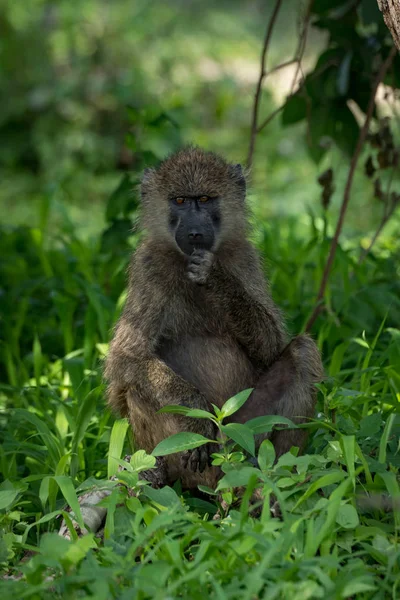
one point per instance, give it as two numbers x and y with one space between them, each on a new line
199 266
198 458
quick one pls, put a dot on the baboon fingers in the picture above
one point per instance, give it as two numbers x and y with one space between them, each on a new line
196 459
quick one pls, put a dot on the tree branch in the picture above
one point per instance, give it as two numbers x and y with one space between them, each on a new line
391 15
257 96
346 195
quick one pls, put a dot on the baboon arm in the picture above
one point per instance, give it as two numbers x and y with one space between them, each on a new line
253 317
132 363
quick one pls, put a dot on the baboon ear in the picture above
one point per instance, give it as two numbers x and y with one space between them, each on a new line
238 175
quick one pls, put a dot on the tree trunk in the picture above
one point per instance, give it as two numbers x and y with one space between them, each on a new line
391 15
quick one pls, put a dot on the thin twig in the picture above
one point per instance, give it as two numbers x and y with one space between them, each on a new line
346 195
257 96
296 60
287 63
271 116
310 77
301 45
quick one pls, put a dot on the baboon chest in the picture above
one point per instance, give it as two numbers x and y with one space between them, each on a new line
193 313
196 342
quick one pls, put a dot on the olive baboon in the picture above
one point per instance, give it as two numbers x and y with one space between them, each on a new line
199 323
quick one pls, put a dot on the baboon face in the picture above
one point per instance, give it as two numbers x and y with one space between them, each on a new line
196 199
194 221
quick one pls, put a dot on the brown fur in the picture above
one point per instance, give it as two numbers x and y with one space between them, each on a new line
181 343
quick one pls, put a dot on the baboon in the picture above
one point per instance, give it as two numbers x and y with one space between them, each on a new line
199 324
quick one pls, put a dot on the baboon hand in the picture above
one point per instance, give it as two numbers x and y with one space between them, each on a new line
199 267
199 458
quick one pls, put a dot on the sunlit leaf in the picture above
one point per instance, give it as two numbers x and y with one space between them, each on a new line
179 442
233 404
241 434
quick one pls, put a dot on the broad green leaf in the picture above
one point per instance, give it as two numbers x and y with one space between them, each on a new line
241 434
201 506
358 586
322 482
165 496
347 517
197 413
267 423
117 440
7 497
80 548
133 504
266 455
141 461
179 442
233 404
237 477
295 109
54 546
286 482
370 425
130 479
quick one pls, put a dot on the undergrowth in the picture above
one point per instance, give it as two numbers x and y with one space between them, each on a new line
335 532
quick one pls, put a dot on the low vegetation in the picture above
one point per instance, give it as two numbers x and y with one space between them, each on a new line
334 524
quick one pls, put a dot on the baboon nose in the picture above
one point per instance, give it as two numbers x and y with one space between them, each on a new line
195 236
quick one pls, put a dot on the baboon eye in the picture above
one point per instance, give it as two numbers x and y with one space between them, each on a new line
204 199
180 200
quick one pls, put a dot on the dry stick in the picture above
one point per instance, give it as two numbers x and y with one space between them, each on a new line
346 195
257 96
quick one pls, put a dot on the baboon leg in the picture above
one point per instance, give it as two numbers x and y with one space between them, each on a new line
286 389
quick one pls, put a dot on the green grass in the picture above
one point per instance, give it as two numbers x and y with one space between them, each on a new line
337 534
